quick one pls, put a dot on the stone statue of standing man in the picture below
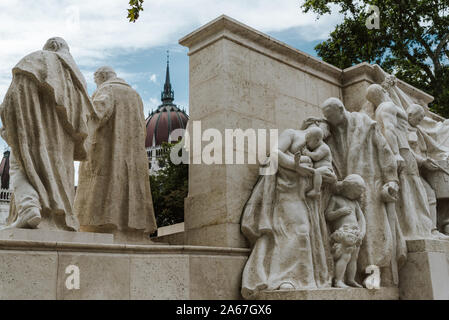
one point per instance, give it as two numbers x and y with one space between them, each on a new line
113 193
43 114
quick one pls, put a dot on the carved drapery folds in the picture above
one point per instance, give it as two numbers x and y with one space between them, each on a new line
351 188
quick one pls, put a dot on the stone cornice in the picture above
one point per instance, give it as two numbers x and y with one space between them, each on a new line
119 248
228 28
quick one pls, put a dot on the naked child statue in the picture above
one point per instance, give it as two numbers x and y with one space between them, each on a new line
348 228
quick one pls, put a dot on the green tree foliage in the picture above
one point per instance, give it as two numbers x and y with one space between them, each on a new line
136 6
412 42
169 188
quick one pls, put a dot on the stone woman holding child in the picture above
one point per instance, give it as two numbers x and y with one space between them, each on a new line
287 229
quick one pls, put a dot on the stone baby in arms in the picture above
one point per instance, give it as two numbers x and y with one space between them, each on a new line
320 155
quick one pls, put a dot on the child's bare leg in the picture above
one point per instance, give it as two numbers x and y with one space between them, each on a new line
340 269
317 182
352 270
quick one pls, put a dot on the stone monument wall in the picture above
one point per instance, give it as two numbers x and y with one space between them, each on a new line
242 78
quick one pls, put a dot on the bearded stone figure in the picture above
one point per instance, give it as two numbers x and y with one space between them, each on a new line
358 147
43 114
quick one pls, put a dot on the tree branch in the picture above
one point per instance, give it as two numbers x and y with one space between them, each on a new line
422 65
441 45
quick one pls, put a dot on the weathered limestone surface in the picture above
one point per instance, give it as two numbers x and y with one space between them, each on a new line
425 275
242 78
173 234
43 114
55 236
332 294
37 270
113 188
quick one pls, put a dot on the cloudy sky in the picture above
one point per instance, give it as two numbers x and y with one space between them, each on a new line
99 34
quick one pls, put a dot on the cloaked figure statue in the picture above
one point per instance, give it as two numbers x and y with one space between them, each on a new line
43 114
113 193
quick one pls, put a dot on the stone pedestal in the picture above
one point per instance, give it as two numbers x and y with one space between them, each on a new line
56 236
425 275
40 270
332 294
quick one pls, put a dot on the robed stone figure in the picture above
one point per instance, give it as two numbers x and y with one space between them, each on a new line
286 229
113 192
358 147
43 114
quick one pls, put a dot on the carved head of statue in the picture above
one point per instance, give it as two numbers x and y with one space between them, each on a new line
389 82
314 137
377 95
334 111
415 114
316 122
104 74
56 44
352 187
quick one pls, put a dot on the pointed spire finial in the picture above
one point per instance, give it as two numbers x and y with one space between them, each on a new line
168 95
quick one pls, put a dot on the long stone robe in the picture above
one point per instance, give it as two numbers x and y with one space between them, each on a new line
360 148
424 146
113 185
43 114
288 234
413 210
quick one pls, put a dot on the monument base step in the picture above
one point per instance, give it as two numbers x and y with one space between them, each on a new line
55 236
425 275
331 294
74 271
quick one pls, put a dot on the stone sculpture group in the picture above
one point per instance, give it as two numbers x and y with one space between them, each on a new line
350 189
49 121
382 174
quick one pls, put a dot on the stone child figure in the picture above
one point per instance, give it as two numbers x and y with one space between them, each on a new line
113 193
320 154
43 114
358 147
348 227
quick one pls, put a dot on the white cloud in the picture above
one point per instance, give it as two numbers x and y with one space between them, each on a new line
104 32
153 78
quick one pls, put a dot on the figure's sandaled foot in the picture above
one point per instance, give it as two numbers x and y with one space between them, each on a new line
340 284
29 220
287 286
354 284
313 194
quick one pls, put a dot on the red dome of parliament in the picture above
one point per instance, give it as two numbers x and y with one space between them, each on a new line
167 118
